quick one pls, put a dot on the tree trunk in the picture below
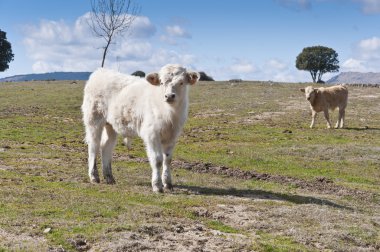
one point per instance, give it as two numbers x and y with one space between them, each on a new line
105 51
313 75
320 76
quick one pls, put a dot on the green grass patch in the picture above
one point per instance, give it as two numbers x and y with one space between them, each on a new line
220 226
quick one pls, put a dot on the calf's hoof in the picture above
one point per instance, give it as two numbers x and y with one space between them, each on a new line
158 190
157 186
110 180
94 180
168 186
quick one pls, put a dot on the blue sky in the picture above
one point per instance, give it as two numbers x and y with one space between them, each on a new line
252 40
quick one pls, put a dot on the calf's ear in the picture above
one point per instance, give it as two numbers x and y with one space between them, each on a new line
153 79
302 90
193 77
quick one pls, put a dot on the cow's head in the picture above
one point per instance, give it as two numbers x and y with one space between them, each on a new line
174 80
310 93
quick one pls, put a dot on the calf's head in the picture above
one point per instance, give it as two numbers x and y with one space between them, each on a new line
173 79
310 93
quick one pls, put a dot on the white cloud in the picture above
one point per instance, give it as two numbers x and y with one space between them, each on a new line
59 46
365 56
276 64
177 31
272 69
353 65
278 70
370 6
369 49
173 33
242 67
162 57
142 28
132 50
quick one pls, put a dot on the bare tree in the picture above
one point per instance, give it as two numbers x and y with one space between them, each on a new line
110 18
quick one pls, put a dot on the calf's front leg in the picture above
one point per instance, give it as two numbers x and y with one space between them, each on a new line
154 152
313 116
166 172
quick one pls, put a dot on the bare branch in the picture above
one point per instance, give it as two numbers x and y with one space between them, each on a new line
110 18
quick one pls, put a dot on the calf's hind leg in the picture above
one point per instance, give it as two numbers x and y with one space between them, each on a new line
327 117
109 139
342 115
93 135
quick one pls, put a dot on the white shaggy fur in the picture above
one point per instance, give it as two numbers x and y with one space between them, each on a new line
325 98
154 109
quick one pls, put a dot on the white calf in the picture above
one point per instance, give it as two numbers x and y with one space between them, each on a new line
154 108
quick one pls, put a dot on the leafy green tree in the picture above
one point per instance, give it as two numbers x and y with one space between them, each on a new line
318 60
6 54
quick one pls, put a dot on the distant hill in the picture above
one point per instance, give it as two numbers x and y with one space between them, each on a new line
49 76
355 78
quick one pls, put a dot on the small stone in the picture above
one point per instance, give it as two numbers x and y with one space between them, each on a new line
47 230
179 229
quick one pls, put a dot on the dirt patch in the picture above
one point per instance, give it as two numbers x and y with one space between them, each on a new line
213 113
320 185
317 226
175 236
254 118
22 242
294 103
5 168
24 111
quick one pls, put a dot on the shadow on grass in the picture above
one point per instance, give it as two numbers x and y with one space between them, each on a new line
261 194
361 129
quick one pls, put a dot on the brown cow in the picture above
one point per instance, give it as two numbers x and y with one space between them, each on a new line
325 98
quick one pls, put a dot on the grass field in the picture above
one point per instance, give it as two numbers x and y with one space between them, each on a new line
249 175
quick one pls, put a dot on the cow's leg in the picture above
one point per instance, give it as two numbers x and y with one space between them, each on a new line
108 143
339 118
128 142
93 135
342 117
166 172
154 152
327 117
313 116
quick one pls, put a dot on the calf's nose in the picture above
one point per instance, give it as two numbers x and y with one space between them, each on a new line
169 96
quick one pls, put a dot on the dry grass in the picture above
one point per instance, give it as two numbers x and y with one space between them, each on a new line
312 190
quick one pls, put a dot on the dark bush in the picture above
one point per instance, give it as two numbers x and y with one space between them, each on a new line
139 73
205 77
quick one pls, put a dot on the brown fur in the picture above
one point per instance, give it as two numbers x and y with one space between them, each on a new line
325 99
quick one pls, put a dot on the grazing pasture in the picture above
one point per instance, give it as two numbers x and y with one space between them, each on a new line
248 174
